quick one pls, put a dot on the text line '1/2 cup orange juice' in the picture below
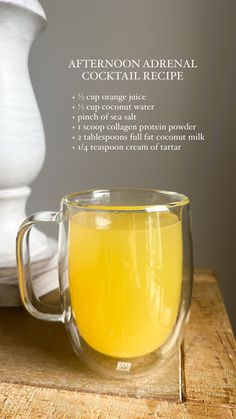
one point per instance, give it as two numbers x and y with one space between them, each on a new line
125 275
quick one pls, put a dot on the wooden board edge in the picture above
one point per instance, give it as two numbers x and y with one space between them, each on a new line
22 401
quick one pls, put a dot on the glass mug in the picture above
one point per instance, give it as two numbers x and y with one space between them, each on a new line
125 275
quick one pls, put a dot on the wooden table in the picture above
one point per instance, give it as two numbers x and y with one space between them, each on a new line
42 378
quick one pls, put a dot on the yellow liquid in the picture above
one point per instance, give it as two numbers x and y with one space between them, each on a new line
125 273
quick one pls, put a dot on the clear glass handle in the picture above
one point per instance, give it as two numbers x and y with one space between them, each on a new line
23 261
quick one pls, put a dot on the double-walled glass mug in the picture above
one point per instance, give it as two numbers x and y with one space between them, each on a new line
125 275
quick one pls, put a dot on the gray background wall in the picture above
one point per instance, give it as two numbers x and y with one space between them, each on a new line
200 29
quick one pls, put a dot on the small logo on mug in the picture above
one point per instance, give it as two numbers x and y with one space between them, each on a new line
123 366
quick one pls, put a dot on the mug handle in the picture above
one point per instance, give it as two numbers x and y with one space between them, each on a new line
23 261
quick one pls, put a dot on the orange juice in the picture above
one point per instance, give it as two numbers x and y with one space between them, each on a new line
125 273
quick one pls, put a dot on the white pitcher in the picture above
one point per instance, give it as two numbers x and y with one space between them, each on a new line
22 140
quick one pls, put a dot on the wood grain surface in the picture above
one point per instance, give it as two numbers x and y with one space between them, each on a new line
39 354
43 380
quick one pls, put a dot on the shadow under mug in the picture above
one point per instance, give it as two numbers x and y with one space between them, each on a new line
125 275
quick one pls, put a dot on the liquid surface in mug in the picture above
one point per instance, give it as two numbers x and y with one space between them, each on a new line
125 274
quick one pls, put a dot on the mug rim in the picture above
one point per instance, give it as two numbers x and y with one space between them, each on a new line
180 200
